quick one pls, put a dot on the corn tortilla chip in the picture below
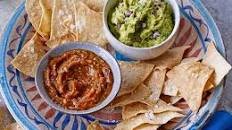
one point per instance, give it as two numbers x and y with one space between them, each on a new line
170 88
156 82
96 5
133 74
215 60
34 12
45 23
147 127
209 85
89 25
140 93
63 26
190 79
95 126
27 59
190 59
136 108
170 58
147 118
175 99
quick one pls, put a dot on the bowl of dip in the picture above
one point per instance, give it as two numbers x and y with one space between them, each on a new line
78 78
141 29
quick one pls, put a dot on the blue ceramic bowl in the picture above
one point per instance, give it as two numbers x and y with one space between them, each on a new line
105 55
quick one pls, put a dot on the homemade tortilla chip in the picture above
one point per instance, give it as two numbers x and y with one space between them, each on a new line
136 108
133 74
175 99
190 59
147 118
27 59
215 60
209 85
94 126
170 58
63 27
89 25
190 79
156 82
34 12
169 88
140 93
96 5
147 127
45 23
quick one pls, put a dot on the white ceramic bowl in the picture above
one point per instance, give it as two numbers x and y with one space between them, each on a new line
105 55
135 52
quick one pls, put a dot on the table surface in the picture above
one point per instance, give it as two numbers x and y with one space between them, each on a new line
221 12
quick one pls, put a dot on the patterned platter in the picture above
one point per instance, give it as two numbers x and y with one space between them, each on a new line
197 29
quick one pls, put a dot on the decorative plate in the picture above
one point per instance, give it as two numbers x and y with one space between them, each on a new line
197 29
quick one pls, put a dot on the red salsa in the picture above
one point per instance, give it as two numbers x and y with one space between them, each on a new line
78 79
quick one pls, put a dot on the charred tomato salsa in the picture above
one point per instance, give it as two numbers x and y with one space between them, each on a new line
78 79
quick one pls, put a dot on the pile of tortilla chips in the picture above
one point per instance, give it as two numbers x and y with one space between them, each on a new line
57 22
154 93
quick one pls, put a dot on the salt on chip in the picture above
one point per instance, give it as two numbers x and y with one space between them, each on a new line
190 79
131 110
147 118
140 93
147 127
96 5
170 58
27 59
63 23
45 23
89 25
133 74
156 82
34 12
215 60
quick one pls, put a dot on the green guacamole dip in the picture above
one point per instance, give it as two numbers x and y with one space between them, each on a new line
141 23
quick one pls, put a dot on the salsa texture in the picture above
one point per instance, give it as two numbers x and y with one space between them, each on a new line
78 79
141 23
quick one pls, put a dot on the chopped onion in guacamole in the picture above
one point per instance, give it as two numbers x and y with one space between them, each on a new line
141 23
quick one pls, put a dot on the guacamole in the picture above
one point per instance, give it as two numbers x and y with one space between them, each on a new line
141 23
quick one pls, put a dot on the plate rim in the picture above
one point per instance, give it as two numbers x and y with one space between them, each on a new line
19 117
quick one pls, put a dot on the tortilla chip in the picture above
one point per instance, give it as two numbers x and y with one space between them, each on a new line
170 58
136 108
190 79
27 59
209 85
13 126
215 60
170 88
89 25
175 99
147 118
34 12
95 126
45 23
147 127
140 93
63 23
133 74
156 82
190 59
96 5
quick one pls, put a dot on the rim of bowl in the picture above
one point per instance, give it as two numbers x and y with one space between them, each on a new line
85 46
176 11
